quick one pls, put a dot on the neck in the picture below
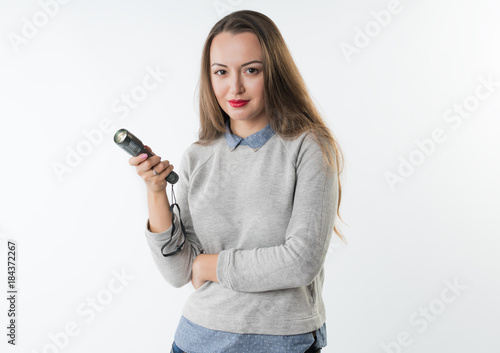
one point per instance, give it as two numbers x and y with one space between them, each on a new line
245 128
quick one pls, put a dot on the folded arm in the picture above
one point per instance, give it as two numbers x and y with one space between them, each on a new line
298 261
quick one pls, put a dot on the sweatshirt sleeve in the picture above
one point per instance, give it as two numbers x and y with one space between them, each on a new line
176 269
299 260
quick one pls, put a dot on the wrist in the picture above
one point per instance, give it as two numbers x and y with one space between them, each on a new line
156 192
157 195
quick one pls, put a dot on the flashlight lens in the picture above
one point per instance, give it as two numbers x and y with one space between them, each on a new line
120 136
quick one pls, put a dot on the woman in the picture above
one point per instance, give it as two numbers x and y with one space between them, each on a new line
258 195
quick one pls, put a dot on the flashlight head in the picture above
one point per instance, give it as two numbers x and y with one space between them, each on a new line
131 144
120 135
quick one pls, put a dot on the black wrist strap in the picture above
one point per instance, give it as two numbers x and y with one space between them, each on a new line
179 248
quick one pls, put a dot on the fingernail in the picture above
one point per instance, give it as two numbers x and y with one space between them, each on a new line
144 156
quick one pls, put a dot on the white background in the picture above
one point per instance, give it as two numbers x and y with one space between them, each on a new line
438 224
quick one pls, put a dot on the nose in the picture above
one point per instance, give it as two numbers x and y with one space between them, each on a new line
237 86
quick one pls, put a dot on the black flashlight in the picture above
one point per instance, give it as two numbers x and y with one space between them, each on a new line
131 144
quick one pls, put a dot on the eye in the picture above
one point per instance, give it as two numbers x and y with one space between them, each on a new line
254 70
219 72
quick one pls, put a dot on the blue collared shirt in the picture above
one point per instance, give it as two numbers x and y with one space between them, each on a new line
190 337
255 141
194 338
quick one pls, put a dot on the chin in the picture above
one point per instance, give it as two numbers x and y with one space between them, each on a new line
238 116
237 113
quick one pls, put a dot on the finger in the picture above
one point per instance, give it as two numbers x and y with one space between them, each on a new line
166 171
148 164
160 167
139 159
135 161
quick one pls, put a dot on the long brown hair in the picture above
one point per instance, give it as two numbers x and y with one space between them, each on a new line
287 100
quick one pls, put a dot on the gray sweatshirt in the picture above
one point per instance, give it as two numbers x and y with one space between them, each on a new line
268 214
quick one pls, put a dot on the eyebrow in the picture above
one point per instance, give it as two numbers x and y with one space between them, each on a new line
245 64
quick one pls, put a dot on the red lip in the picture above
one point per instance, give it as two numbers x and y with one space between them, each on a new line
238 102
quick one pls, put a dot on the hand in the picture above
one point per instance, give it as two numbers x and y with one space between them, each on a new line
204 269
154 183
196 273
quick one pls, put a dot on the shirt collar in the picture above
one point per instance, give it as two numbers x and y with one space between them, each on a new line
254 141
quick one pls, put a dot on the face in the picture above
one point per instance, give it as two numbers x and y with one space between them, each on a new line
237 74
